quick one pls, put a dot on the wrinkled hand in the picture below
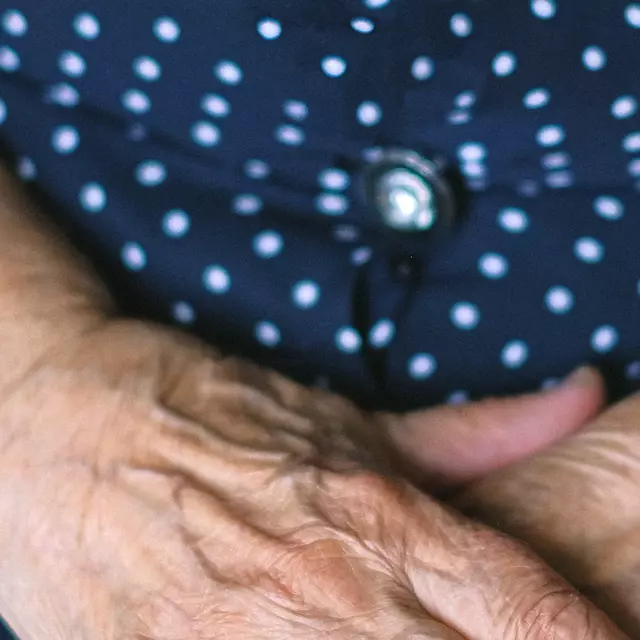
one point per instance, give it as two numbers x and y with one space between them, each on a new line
578 505
150 490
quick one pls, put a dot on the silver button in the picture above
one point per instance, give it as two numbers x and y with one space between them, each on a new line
408 191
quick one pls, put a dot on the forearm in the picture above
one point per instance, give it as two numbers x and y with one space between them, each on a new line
48 292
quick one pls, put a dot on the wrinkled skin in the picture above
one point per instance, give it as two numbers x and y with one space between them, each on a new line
156 491
578 505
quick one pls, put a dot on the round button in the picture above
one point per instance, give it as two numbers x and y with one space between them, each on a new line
408 191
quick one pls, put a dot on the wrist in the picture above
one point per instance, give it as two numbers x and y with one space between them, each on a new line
48 293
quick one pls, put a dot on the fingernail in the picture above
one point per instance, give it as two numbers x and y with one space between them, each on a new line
582 377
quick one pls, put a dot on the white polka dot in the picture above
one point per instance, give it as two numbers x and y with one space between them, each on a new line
146 68
93 197
634 168
9 59
150 173
472 152
65 139
504 63
334 66
362 25
86 26
536 98
422 366
544 9
26 168
332 204
166 29
228 72
268 244
183 313
473 169
14 22
550 135
360 256
3 111
216 279
461 25
604 339
215 105
267 334
594 58
632 371
632 15
556 160
382 333
588 250
458 398
624 107
334 179
305 294
256 169
422 68
465 315
269 28
289 135
72 64
608 207
559 300
631 143
348 340
205 134
295 109
133 256
176 223
465 99
369 113
514 354
246 204
136 101
376 4
559 179
513 220
493 265
63 94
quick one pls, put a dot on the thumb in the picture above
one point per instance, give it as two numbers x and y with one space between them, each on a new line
451 445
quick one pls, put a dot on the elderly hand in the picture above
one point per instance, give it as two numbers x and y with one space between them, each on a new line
578 505
151 489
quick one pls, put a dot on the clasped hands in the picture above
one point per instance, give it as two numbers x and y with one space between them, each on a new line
153 489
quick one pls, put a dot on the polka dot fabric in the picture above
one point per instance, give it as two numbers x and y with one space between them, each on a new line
208 156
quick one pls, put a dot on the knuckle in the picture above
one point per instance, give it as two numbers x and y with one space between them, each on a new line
364 503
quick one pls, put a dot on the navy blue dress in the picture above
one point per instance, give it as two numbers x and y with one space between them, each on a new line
207 155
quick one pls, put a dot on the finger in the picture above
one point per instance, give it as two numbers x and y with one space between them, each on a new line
465 575
454 444
495 588
576 504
